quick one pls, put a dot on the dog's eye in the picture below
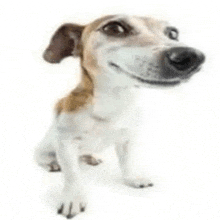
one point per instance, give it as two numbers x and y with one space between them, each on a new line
115 29
172 33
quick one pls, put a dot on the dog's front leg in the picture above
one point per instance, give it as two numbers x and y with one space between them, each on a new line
73 199
125 152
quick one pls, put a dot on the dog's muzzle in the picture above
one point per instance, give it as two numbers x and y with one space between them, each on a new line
182 61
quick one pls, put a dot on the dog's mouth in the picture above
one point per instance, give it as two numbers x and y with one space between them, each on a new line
166 82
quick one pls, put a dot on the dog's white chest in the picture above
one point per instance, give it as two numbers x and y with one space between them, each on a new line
100 125
100 134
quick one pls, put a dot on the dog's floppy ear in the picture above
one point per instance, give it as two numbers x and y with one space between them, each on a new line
65 42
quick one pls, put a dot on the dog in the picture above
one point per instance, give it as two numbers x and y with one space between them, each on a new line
117 54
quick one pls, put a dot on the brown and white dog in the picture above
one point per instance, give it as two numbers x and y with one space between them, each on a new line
117 53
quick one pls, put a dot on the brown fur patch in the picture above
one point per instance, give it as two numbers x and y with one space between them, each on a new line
82 96
79 98
76 100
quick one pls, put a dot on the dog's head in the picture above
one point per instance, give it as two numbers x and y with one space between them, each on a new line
127 50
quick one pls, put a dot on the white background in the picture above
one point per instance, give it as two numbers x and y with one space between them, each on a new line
180 149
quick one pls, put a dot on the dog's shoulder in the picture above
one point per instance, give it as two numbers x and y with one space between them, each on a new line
76 100
79 98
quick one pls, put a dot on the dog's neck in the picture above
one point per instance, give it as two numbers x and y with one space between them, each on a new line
111 98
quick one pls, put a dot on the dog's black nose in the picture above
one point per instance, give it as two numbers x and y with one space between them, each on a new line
183 60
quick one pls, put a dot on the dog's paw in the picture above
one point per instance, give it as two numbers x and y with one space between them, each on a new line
91 160
54 167
51 167
71 204
138 182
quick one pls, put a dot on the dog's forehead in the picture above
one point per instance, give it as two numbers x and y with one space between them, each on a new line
153 23
142 23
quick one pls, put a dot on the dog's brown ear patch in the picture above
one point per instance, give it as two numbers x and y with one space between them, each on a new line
65 42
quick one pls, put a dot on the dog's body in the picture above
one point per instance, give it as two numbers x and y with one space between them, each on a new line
118 53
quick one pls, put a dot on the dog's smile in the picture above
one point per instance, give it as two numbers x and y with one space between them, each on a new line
152 82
